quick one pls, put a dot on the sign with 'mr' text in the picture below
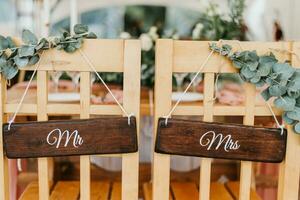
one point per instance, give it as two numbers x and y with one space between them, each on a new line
107 135
218 140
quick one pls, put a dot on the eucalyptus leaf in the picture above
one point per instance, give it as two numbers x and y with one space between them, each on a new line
70 48
13 57
91 35
247 73
260 83
80 28
252 65
282 79
21 61
294 114
270 59
41 44
29 38
264 69
26 51
277 90
64 33
286 103
255 79
266 94
9 71
284 69
287 118
34 59
238 64
78 43
4 44
11 43
298 100
297 128
12 53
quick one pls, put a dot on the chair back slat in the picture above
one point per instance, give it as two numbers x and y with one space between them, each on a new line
289 172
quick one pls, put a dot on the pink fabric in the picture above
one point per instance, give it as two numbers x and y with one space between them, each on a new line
268 193
231 94
13 178
63 84
108 98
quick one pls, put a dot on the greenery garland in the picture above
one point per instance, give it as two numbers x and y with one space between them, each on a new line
13 57
282 79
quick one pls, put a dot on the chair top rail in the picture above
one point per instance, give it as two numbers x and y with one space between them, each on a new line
189 55
107 55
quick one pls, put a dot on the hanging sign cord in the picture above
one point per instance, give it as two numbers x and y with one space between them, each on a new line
24 94
189 85
281 126
105 85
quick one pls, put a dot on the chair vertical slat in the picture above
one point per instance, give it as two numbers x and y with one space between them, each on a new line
4 189
205 169
85 176
131 102
289 173
42 98
246 166
163 93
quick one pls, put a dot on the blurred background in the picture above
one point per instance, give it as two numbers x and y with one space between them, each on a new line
148 20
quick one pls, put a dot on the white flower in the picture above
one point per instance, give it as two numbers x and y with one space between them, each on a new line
125 35
197 31
175 36
146 42
153 33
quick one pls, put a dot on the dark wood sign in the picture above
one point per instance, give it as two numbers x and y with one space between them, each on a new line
217 140
72 137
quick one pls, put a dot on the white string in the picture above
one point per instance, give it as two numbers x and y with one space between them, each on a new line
103 82
24 94
19 164
187 88
281 126
217 76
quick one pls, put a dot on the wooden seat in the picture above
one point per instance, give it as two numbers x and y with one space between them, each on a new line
100 190
189 191
233 187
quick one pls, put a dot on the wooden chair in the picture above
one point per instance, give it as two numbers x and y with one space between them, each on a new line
187 56
107 56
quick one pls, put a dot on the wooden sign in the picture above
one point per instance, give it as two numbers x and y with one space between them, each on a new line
107 135
217 140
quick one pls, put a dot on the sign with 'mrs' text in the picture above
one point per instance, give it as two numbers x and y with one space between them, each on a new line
218 140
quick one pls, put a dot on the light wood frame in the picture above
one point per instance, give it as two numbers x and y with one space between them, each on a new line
107 56
186 56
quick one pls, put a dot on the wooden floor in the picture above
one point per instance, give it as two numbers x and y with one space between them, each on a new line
189 191
70 190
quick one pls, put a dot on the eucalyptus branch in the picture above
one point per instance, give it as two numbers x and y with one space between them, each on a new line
13 57
282 80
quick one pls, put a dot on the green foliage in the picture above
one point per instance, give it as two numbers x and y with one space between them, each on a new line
13 58
214 25
282 79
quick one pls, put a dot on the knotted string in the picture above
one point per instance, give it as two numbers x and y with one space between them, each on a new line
188 87
217 76
103 82
129 115
25 92
281 126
